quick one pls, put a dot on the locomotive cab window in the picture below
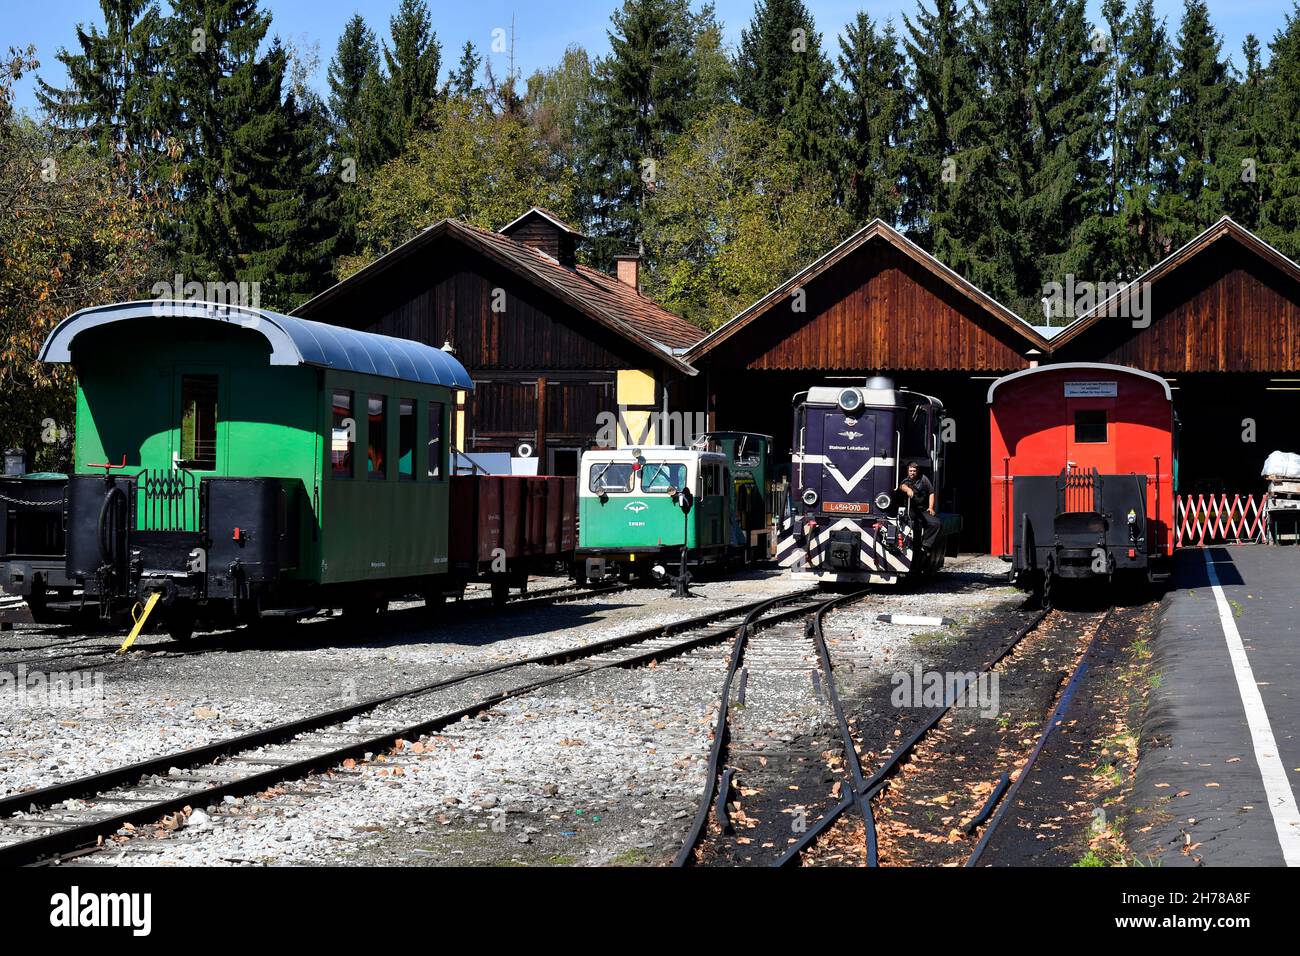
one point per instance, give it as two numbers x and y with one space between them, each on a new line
610 476
405 439
377 436
435 441
1090 426
343 437
199 422
662 476
712 480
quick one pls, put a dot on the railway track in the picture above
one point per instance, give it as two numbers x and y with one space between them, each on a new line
75 816
106 653
745 764
1002 798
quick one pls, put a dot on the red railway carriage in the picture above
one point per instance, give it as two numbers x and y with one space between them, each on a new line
1083 462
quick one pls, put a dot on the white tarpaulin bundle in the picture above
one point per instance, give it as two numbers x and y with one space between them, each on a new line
1282 464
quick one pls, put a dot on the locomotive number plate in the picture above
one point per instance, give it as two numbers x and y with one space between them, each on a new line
846 507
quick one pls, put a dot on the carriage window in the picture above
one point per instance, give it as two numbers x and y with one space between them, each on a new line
610 476
406 439
199 422
343 437
1090 426
377 434
662 476
435 441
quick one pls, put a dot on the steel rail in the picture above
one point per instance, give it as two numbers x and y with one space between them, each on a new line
857 782
97 783
1054 721
251 641
871 787
721 731
79 835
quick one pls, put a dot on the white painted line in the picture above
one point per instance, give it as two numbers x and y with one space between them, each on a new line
1277 787
914 620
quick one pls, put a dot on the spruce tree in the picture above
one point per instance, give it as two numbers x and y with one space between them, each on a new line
413 62
223 100
464 79
1045 107
1280 212
873 103
784 78
1199 118
947 156
356 56
1140 170
110 98
642 94
1246 142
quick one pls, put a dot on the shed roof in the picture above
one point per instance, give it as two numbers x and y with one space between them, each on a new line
1225 228
293 341
602 298
876 229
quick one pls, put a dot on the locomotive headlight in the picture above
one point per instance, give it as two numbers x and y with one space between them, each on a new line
809 497
850 400
882 500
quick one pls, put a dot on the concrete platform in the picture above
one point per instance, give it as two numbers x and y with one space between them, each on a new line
1220 760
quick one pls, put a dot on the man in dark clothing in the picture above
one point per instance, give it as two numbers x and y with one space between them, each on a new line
921 503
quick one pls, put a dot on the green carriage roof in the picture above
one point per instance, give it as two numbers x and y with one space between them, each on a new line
293 341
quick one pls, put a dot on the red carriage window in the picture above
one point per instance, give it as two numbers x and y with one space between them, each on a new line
1090 426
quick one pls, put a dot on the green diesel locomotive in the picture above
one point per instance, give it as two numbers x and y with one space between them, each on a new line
638 507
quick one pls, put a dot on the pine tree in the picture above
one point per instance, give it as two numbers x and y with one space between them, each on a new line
947 155
464 80
784 78
354 59
1199 118
1142 141
110 96
1045 106
413 63
873 104
1246 142
1280 212
642 94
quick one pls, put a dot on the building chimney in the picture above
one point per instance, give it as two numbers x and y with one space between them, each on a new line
629 270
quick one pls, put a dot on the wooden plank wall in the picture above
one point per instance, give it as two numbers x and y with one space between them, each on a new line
876 308
1225 310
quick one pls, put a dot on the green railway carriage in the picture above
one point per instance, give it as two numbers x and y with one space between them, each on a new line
246 464
630 517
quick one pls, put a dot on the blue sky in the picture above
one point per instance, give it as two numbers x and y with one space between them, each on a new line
543 28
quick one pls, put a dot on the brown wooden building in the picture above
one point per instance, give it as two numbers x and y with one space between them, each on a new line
875 304
1223 327
550 343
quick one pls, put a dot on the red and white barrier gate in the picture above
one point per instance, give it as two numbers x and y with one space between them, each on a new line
1218 519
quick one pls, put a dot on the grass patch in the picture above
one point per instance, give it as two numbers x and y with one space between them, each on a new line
633 857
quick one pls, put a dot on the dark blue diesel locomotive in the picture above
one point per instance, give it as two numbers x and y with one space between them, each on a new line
847 521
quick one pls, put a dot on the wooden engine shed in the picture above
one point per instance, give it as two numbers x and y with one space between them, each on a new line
1223 329
550 344
877 304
